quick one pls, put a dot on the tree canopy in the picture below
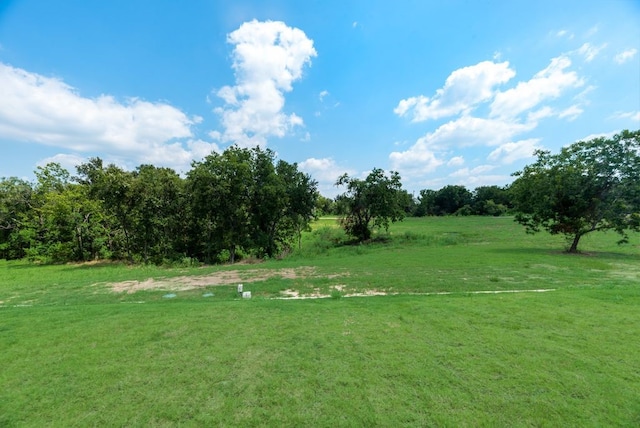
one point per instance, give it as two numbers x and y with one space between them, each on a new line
373 202
240 200
589 186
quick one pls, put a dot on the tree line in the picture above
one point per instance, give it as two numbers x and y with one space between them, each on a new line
448 200
238 203
244 202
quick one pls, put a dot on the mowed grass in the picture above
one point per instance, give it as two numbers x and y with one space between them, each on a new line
75 354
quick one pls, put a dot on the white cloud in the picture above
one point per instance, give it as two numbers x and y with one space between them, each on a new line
34 108
456 161
633 115
565 34
571 113
323 94
473 131
589 51
625 56
200 149
510 152
466 172
420 159
45 110
597 135
426 154
474 177
67 161
539 114
267 58
326 171
462 91
547 84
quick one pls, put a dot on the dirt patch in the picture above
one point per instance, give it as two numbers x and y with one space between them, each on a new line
228 277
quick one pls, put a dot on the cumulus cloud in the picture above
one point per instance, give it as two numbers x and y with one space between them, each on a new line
547 84
625 55
267 58
34 108
512 112
510 152
326 171
46 110
462 91
426 155
477 176
466 172
420 159
67 161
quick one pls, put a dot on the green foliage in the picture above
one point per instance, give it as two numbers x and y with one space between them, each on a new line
375 201
233 204
15 211
457 200
244 201
589 186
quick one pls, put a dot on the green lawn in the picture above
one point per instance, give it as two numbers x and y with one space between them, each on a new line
73 353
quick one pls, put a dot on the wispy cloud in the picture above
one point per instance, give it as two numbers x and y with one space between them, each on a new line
589 52
633 115
625 55
510 152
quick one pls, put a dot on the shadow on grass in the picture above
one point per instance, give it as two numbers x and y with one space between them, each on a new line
605 255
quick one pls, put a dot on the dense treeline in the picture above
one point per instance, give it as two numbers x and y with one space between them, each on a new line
238 203
449 200
241 202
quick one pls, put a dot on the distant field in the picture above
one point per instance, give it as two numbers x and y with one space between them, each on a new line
109 344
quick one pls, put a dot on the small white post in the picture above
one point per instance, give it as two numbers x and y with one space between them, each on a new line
239 288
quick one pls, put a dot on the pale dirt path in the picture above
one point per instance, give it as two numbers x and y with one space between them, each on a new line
227 277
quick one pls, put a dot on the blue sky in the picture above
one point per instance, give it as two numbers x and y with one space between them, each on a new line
455 92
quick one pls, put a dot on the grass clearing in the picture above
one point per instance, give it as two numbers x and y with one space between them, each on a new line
81 354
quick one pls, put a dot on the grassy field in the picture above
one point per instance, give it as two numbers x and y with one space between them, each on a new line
76 353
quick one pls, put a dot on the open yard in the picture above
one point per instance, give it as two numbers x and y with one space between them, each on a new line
401 337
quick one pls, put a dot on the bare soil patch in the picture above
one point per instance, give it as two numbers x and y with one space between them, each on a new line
227 277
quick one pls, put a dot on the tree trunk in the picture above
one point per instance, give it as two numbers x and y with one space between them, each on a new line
574 244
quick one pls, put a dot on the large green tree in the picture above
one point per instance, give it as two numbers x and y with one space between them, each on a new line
589 186
301 195
375 201
220 198
16 202
158 212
